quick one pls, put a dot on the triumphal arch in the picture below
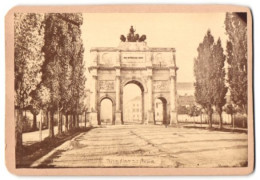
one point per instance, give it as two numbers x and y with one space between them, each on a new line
153 69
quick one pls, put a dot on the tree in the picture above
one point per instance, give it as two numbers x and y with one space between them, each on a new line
218 82
203 68
35 110
66 96
236 28
193 111
63 49
77 86
230 109
28 57
40 98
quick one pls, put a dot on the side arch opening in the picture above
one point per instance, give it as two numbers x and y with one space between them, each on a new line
160 109
106 115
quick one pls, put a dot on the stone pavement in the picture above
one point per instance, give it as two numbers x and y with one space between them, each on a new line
149 146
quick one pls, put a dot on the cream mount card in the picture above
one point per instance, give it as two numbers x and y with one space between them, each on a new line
129 90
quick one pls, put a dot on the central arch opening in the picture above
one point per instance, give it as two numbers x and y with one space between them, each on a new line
133 103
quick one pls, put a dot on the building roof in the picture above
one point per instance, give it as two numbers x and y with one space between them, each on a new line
186 100
185 86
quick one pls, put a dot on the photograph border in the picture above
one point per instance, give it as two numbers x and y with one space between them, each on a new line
9 104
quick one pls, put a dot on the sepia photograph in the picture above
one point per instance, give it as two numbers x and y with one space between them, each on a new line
119 90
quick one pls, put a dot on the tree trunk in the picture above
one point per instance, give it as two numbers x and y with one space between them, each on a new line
233 121
201 119
77 120
19 130
59 121
244 121
40 126
245 118
210 119
51 123
34 126
25 116
66 122
85 118
74 120
71 122
220 120
47 119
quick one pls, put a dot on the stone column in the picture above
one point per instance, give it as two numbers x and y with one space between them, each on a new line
117 93
173 90
149 66
150 115
173 111
118 104
118 97
142 115
113 114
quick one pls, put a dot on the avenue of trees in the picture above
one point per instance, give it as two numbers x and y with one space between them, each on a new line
212 81
49 69
236 28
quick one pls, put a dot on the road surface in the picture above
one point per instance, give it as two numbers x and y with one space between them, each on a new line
149 146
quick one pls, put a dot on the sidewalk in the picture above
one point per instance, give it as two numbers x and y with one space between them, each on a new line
30 138
215 126
33 137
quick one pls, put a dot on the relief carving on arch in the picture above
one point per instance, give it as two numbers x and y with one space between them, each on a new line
106 85
161 59
106 59
161 85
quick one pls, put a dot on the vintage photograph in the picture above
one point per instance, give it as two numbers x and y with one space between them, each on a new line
131 90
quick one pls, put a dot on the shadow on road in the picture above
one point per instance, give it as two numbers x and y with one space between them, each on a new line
28 154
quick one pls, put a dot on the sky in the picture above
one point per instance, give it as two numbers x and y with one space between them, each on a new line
182 31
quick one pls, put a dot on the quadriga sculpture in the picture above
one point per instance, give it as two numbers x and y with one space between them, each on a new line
132 37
